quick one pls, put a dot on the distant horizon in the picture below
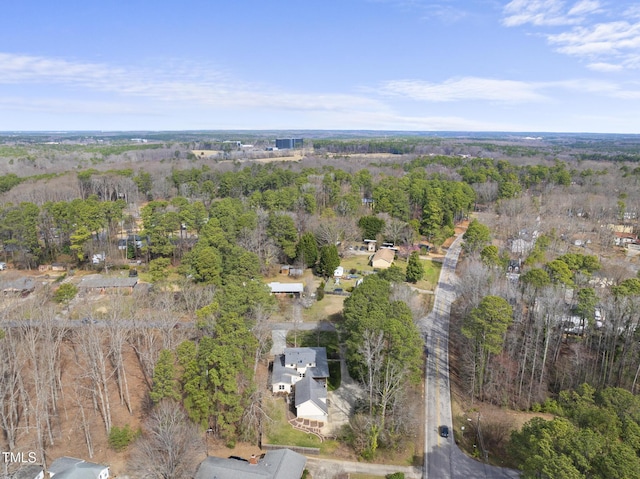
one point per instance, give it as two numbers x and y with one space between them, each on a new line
291 132
550 66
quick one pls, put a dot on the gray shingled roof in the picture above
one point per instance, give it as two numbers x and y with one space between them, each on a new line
17 284
299 356
303 356
308 389
277 287
101 281
284 464
72 468
281 374
278 464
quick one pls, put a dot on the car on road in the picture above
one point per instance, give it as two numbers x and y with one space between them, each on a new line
443 431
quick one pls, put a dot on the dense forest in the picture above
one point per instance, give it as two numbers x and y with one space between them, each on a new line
546 318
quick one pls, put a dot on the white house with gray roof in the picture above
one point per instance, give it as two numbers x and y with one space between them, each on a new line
306 370
311 399
278 464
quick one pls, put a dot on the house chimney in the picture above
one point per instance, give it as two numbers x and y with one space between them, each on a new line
253 459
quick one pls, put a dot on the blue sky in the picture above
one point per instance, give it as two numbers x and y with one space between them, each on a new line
474 65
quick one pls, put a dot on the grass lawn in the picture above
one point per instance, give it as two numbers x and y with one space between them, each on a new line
431 275
329 308
356 475
280 432
312 339
360 263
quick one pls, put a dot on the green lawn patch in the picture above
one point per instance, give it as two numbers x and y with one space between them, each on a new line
315 339
279 431
329 308
361 263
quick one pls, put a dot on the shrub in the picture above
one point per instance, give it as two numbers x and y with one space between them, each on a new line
65 293
320 291
395 475
121 437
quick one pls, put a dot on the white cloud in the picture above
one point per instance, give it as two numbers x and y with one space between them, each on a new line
197 85
604 67
470 88
613 38
506 91
608 46
584 7
445 11
547 12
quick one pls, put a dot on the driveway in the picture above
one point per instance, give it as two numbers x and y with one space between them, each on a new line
342 400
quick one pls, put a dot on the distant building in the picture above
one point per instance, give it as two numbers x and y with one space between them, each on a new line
288 143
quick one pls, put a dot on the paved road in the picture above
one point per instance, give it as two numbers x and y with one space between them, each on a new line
443 458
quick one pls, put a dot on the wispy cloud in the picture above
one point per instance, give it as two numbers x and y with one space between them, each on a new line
548 12
194 84
606 46
469 88
504 91
619 41
445 11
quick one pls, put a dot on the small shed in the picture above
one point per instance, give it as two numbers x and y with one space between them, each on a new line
338 272
371 245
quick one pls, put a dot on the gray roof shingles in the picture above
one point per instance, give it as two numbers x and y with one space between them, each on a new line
278 464
308 389
72 468
101 281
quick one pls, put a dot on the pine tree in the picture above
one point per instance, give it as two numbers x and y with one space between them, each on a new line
415 269
164 383
329 260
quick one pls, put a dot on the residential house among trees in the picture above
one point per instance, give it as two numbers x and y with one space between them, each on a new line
383 258
17 286
107 284
303 371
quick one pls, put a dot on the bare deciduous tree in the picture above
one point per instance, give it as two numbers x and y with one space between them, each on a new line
169 444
